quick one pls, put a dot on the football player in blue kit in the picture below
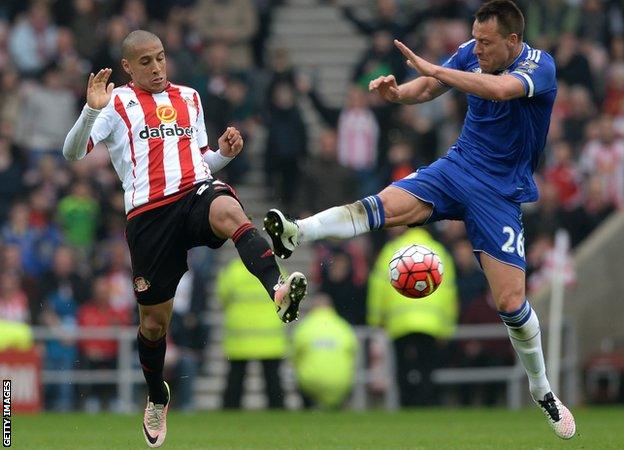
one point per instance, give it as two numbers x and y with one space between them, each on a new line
483 180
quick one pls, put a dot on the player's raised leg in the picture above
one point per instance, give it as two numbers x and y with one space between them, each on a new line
228 219
391 207
154 322
508 289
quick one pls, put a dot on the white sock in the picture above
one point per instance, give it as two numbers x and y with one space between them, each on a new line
525 336
340 222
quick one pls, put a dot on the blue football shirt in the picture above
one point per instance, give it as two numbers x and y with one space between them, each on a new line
501 141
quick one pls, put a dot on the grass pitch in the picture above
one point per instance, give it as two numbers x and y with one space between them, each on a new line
598 428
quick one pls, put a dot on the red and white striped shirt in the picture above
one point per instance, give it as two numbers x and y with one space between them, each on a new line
155 143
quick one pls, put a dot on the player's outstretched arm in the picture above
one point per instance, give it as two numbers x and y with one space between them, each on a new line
99 93
486 86
419 90
230 145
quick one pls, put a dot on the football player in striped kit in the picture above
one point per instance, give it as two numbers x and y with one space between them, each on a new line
155 133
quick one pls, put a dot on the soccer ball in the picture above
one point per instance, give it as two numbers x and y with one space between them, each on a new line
415 271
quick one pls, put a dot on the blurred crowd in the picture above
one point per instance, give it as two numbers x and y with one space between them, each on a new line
63 254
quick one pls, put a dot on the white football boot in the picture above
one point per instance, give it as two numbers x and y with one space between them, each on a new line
559 417
155 421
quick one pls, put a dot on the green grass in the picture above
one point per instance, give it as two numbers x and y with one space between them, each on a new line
601 428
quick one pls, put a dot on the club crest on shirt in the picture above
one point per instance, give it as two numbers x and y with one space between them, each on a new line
141 284
166 113
527 66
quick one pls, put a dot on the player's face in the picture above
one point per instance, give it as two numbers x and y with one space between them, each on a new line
147 66
494 51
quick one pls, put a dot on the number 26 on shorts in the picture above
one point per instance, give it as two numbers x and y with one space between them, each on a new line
508 246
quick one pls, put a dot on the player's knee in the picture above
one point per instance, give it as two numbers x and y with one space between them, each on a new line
510 299
226 215
154 326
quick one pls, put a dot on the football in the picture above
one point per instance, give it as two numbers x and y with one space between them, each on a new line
415 271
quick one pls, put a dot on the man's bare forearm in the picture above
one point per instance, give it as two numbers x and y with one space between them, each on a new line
420 90
486 86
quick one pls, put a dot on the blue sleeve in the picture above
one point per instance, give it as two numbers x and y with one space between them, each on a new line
537 73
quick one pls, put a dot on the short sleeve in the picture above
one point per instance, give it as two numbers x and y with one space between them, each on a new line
537 73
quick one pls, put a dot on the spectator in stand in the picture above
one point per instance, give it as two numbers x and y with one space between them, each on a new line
324 352
78 214
359 132
232 22
13 299
10 100
545 216
392 19
98 353
63 292
286 145
33 40
581 111
564 174
596 207
134 13
547 20
63 281
109 52
240 113
118 272
401 162
48 174
341 269
325 182
598 20
471 282
382 58
411 124
614 91
11 173
72 65
34 244
212 81
11 262
604 156
280 71
180 58
46 116
572 65
85 18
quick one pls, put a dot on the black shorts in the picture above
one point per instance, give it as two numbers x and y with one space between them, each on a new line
160 238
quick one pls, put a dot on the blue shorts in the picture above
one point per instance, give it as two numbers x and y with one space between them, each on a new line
493 223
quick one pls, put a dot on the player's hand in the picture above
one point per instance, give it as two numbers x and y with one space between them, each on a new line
387 88
423 67
99 90
230 142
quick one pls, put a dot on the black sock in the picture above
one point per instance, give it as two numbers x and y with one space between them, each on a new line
257 256
152 357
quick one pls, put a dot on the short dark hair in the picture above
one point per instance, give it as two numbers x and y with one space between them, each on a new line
509 16
133 39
